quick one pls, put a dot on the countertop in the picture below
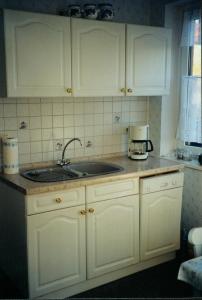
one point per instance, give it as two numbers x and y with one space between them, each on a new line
151 166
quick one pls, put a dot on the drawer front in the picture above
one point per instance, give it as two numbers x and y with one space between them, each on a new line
55 200
112 190
161 182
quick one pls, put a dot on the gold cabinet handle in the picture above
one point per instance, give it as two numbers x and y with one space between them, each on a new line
122 90
129 90
91 210
69 90
83 212
58 200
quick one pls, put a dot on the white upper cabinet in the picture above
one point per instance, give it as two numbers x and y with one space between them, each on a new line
98 58
148 59
38 54
44 54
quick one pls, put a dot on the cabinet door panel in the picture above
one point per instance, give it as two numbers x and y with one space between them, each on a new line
98 56
56 250
160 215
38 53
148 60
112 235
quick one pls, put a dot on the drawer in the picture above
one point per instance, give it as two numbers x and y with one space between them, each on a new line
55 200
115 189
161 182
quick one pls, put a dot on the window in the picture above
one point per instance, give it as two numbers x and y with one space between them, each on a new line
190 121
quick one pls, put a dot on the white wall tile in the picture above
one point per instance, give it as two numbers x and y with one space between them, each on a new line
58 109
57 121
35 122
10 123
34 109
53 120
46 109
58 133
1 110
78 108
47 121
10 110
47 146
35 134
69 132
1 124
68 108
36 147
47 134
22 110
68 120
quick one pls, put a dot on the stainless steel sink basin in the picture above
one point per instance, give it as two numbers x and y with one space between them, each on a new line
90 168
51 174
70 171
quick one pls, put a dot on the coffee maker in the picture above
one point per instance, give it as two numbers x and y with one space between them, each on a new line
138 142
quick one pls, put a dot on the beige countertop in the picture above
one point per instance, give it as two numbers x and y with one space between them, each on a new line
151 166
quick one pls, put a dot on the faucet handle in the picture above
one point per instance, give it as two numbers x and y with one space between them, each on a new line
63 162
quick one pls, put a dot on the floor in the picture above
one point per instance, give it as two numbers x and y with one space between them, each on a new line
157 282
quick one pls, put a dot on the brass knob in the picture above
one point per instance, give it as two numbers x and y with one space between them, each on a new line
69 90
129 90
91 210
122 90
58 200
83 212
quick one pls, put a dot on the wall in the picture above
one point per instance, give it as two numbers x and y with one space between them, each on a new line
130 11
56 120
192 199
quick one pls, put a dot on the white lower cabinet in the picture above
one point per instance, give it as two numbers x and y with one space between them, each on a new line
83 237
56 250
112 235
160 215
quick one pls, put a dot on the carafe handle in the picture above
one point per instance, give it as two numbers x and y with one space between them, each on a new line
149 142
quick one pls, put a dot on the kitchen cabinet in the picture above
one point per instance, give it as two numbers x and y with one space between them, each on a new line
109 249
98 58
56 250
38 54
148 60
160 215
54 56
59 243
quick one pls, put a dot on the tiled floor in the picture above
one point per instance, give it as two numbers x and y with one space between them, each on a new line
157 282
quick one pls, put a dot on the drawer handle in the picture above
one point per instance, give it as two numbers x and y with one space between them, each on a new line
83 212
58 200
91 210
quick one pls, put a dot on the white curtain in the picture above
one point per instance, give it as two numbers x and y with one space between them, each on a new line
189 127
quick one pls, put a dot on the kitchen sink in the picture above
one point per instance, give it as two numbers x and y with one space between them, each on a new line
70 171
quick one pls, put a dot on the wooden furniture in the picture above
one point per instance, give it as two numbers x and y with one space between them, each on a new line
54 56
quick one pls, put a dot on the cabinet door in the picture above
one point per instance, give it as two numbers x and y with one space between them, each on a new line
160 215
38 50
112 235
148 60
98 58
56 250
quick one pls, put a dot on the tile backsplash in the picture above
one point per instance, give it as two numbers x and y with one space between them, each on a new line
51 122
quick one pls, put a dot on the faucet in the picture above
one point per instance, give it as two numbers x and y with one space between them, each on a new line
63 161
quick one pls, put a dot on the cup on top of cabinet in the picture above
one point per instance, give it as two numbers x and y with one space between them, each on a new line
106 11
90 11
74 11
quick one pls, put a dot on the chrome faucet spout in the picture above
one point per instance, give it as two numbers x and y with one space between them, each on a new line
63 161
